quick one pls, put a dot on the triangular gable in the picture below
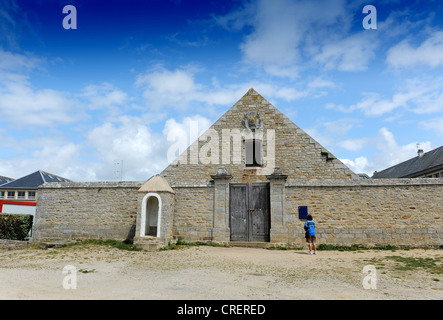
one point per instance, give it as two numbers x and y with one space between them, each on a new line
284 145
156 184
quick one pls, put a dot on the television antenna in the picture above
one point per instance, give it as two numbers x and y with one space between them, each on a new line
118 170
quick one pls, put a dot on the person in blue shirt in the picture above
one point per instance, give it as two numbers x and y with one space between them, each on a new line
310 233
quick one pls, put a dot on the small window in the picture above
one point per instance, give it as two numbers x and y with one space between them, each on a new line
254 152
2 194
20 194
31 195
11 194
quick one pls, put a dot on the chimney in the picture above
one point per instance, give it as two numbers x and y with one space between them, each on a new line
420 153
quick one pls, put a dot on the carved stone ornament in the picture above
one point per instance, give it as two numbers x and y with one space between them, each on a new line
252 122
222 173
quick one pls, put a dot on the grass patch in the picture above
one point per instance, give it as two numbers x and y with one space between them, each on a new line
358 247
283 248
278 248
329 247
431 265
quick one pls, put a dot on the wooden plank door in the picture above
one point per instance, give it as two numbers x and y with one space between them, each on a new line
239 211
250 212
259 212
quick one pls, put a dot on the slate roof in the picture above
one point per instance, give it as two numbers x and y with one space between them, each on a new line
33 180
4 180
428 162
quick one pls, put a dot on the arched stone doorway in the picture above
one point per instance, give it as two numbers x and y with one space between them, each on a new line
151 215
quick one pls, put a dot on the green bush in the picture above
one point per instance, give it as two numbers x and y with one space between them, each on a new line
15 226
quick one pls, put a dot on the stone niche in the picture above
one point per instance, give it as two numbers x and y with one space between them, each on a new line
155 212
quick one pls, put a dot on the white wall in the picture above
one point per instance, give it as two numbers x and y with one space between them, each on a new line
18 209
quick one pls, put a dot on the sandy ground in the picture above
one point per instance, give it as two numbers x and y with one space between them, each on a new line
214 273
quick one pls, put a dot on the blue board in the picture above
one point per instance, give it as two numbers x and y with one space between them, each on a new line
302 212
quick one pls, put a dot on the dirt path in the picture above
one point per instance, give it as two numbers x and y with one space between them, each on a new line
218 273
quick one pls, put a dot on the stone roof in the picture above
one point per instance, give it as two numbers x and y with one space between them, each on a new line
428 162
156 184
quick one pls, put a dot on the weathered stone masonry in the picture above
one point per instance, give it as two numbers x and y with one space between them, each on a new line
400 212
194 198
86 210
370 212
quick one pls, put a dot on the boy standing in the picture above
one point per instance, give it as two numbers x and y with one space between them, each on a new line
310 233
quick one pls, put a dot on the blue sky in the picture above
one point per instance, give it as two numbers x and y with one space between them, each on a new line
99 101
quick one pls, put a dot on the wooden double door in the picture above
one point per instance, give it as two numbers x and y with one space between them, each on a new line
249 207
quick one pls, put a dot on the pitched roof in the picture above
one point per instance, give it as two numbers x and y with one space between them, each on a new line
4 180
414 167
296 153
33 180
156 184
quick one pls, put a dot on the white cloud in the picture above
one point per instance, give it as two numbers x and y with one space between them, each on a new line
176 89
18 62
359 165
143 152
373 104
179 90
416 95
330 133
351 53
273 44
354 144
52 154
23 105
129 139
104 95
287 34
177 82
125 147
319 83
180 135
429 53
390 153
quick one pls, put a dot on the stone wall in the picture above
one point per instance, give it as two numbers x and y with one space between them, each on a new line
105 210
398 212
194 208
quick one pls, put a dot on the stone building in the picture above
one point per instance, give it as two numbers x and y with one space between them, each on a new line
250 177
